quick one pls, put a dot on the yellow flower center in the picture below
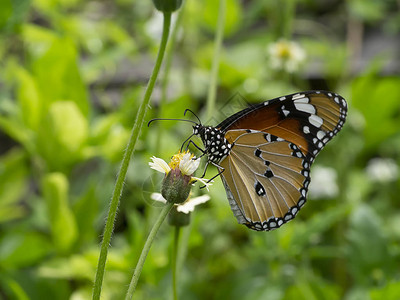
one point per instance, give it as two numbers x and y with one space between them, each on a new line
284 50
176 159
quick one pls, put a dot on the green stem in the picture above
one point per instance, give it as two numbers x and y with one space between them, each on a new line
174 260
108 230
215 63
146 249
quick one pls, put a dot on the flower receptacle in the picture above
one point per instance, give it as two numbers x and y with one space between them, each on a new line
176 186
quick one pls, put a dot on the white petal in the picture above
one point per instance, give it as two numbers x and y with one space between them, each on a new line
189 205
188 165
158 197
159 165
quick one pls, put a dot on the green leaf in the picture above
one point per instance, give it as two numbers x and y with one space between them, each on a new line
75 266
62 135
5 12
367 10
378 100
208 14
62 220
86 210
29 99
368 246
17 131
13 184
390 291
55 67
22 249
12 289
110 136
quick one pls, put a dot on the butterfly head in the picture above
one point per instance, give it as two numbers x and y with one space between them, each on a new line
216 145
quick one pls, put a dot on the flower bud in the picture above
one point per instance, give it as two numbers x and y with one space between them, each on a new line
176 186
177 218
167 5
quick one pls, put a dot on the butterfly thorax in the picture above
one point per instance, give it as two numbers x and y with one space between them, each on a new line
216 145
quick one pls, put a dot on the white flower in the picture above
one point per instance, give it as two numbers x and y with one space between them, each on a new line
324 183
187 206
382 170
286 55
186 162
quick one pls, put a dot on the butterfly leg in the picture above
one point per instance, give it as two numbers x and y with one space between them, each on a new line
202 150
205 170
219 173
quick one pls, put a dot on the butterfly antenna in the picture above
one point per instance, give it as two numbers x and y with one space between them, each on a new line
187 109
161 119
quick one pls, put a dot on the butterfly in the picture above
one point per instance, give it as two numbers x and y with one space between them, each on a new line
264 154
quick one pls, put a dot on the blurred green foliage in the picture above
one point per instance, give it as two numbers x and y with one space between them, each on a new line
72 75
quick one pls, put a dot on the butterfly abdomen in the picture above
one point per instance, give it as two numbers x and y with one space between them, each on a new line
216 145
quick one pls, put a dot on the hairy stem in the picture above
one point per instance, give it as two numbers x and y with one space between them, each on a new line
108 230
146 249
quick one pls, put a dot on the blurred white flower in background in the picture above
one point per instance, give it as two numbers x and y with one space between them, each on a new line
187 206
286 55
323 183
382 170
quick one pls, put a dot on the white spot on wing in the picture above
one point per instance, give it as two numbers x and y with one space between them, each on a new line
285 112
305 107
306 129
302 100
297 96
315 120
321 134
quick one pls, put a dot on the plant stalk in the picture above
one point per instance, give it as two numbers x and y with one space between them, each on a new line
108 230
146 249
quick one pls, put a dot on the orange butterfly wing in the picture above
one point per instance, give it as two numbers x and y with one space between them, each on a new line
308 119
266 174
